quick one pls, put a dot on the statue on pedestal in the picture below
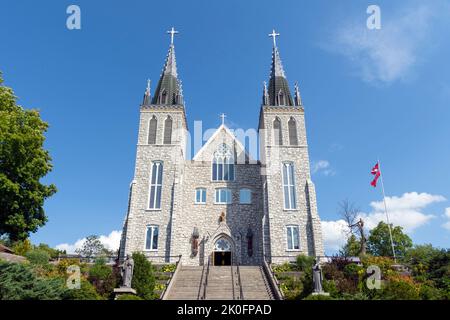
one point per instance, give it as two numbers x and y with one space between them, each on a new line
317 277
127 271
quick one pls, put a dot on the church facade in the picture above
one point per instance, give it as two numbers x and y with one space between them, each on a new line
222 206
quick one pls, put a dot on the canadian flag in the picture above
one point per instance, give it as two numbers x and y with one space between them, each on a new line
376 172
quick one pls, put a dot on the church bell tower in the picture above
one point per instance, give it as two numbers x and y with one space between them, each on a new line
291 222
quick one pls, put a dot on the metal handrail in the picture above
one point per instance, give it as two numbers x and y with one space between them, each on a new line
200 285
241 292
205 284
232 277
273 281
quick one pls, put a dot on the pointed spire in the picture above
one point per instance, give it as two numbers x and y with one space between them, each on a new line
279 94
147 95
297 96
265 94
168 91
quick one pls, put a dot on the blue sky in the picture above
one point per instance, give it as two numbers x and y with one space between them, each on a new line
367 94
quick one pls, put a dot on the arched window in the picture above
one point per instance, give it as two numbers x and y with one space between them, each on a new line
223 164
281 99
289 186
152 130
156 185
163 98
277 133
293 140
168 130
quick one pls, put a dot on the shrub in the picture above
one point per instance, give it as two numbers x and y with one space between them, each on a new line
129 297
22 247
400 288
285 267
143 277
318 297
356 296
330 287
304 263
384 263
54 253
19 282
38 257
168 268
63 264
103 278
428 292
85 292
292 288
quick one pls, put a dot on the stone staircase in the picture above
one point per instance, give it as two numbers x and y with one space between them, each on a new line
254 283
223 284
186 284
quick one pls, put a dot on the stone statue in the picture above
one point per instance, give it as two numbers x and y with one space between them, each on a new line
127 271
317 277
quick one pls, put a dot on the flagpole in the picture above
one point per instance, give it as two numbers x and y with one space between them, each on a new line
385 210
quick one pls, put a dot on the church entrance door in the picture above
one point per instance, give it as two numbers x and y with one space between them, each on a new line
222 253
222 258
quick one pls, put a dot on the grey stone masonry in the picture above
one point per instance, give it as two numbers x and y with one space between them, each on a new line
273 156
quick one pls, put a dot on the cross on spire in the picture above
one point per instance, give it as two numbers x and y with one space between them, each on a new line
172 34
274 35
223 116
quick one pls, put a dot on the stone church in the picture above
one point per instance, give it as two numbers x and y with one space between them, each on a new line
222 206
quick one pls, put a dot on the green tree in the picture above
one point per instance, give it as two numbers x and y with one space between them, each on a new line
23 162
38 257
143 277
92 247
54 253
19 282
379 242
352 248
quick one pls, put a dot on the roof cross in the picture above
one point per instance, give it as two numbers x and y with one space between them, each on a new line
172 32
274 35
223 116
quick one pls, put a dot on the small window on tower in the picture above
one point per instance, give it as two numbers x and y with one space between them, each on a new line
293 140
152 130
278 136
281 99
163 97
168 130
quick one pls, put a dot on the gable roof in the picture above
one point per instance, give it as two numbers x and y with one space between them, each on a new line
240 149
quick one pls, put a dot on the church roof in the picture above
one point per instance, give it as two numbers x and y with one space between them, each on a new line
223 135
277 93
278 83
169 90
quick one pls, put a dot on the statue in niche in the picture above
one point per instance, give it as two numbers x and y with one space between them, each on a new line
195 236
222 217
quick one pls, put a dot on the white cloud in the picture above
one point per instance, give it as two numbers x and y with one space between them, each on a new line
405 211
335 234
111 242
390 53
322 166
446 225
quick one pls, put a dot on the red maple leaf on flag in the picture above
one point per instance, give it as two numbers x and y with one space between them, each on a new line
376 172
